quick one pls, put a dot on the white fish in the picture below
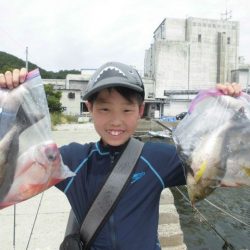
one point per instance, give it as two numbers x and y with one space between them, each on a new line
216 155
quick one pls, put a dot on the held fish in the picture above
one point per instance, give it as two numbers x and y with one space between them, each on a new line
37 169
210 157
9 148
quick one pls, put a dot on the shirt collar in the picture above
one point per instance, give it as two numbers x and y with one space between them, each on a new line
110 149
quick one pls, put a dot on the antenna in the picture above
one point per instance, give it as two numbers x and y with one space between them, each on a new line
227 15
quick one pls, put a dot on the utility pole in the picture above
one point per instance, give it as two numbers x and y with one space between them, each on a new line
188 78
14 222
26 64
247 81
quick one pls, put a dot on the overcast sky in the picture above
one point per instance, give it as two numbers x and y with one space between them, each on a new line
80 34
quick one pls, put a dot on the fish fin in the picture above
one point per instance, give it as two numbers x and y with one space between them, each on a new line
200 172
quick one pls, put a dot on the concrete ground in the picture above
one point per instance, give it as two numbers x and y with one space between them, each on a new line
40 221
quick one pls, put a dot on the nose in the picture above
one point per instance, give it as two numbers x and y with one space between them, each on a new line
116 121
116 118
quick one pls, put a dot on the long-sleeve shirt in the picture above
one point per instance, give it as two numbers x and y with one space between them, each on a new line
134 222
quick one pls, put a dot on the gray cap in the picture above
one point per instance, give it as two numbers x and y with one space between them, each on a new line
114 74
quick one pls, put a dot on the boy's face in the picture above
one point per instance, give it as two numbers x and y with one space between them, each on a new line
115 118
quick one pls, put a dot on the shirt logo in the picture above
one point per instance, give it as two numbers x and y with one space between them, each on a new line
137 176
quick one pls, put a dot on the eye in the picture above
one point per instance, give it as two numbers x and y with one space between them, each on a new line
103 109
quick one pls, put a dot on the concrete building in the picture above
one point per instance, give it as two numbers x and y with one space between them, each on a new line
71 101
188 55
242 75
57 83
76 81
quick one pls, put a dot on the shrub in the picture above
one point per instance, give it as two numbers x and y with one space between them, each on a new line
59 118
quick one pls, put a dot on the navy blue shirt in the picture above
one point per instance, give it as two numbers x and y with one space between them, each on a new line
134 222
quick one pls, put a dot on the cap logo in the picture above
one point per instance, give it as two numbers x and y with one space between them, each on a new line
110 71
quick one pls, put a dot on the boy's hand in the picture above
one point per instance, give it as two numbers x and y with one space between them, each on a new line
232 89
13 79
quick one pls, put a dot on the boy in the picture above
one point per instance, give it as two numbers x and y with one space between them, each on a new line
115 95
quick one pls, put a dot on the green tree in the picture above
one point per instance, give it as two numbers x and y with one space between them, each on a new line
53 98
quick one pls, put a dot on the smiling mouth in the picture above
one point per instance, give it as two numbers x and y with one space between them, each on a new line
115 132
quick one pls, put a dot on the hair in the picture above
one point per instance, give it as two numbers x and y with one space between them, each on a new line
127 93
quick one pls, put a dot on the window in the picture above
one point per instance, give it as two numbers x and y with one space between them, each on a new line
71 95
228 40
199 38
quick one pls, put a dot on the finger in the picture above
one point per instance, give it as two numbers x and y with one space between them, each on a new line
230 89
9 80
2 81
222 88
237 88
15 77
23 74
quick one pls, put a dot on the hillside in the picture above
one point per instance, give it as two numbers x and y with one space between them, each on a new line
10 62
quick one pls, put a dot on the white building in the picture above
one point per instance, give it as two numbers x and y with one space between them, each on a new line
242 76
71 101
75 85
188 55
57 83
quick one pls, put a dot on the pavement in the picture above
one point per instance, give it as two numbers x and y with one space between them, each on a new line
39 223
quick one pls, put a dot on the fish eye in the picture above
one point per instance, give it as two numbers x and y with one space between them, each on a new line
51 157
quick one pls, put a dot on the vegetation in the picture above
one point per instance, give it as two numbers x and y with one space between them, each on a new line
10 62
55 107
53 98
59 118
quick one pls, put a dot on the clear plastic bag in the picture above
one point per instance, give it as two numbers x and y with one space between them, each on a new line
213 142
30 162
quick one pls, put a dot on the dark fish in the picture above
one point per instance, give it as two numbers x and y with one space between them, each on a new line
9 148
